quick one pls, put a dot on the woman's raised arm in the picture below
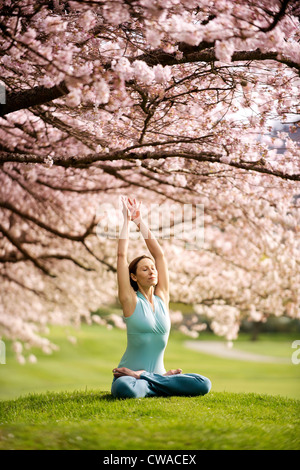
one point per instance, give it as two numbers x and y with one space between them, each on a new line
126 293
162 287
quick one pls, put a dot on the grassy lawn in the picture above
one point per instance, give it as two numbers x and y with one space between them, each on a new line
88 364
94 420
63 401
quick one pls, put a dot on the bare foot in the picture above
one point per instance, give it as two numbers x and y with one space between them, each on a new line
174 372
121 371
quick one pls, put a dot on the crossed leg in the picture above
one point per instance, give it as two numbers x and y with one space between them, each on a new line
140 384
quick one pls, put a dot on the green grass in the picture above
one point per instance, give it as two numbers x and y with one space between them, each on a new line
89 364
94 420
63 401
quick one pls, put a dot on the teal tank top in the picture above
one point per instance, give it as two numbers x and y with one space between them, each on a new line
147 336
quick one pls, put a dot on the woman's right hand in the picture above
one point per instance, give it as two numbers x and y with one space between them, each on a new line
125 209
131 209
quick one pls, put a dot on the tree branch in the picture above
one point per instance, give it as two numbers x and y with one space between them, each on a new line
39 223
277 17
108 265
22 285
40 95
88 160
24 99
23 250
193 54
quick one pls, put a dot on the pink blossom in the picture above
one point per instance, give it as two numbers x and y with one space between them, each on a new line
73 99
32 359
224 50
87 20
137 110
48 161
54 24
184 31
226 159
101 91
116 13
153 37
143 72
64 57
17 347
21 359
124 68
29 36
162 74
46 81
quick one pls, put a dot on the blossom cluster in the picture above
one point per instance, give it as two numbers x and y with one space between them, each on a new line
174 102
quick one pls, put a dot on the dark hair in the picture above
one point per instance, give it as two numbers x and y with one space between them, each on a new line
133 268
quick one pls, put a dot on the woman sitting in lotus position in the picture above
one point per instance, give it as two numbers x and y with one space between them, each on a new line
143 290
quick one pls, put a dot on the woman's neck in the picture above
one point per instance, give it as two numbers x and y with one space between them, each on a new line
147 292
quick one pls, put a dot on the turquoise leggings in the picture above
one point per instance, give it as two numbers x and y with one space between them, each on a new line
153 385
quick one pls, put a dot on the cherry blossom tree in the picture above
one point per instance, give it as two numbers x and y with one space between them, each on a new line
174 102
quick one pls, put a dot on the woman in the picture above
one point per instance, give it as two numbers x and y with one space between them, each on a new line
143 290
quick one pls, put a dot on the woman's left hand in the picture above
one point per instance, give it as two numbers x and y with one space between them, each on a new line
134 209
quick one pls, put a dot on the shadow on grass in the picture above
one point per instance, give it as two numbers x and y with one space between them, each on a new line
45 399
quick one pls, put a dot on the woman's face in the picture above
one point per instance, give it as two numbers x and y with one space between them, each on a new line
146 273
